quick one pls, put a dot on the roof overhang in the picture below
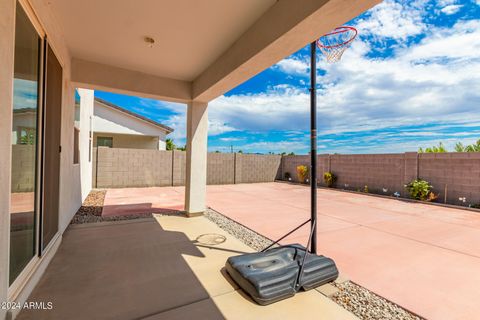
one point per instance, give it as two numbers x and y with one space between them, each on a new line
202 48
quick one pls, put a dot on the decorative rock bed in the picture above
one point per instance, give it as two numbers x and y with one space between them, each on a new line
92 207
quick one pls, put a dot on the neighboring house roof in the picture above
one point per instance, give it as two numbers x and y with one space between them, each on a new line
136 115
25 110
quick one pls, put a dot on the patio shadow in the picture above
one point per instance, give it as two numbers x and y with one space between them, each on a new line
122 270
138 208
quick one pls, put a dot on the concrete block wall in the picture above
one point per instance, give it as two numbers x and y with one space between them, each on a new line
121 168
290 163
179 174
23 169
221 168
117 168
452 174
256 168
377 171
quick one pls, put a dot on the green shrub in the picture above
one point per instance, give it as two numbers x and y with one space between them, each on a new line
329 179
302 173
420 189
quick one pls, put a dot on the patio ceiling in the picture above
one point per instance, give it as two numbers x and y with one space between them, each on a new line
202 48
189 35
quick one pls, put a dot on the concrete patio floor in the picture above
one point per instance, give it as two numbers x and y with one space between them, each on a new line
425 258
156 269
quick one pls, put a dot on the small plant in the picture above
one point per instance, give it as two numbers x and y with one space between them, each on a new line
365 189
302 173
329 179
287 176
432 196
475 206
420 189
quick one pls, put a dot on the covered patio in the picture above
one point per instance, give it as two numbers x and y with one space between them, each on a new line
160 268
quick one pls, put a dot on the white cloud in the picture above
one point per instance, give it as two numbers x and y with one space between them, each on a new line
231 139
432 81
24 94
178 122
462 41
267 146
451 9
444 3
293 66
394 20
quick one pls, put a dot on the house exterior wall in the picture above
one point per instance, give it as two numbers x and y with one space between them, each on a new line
130 141
86 140
70 193
109 120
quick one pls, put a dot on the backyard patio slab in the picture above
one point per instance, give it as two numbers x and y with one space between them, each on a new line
425 258
157 268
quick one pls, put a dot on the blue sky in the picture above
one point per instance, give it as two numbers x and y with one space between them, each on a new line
411 79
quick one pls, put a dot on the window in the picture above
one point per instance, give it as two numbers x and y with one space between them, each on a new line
105 142
26 85
90 139
76 147
76 128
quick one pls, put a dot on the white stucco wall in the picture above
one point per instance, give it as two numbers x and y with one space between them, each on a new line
110 120
86 141
129 141
70 197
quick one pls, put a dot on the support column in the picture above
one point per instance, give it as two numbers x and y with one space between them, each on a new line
7 45
196 171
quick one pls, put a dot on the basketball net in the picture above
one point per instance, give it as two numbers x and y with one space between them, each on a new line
334 44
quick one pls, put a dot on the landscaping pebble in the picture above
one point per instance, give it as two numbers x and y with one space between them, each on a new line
247 236
91 210
356 299
367 305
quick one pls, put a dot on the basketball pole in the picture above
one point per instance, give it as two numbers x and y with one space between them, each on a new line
313 145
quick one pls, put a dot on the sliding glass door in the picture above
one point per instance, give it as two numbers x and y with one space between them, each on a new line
25 124
52 112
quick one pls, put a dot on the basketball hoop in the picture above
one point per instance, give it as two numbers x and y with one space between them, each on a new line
334 44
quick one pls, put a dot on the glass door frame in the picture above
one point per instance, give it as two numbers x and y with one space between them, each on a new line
18 284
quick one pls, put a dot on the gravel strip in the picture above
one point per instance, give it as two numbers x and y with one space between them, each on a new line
367 305
92 207
356 299
247 236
